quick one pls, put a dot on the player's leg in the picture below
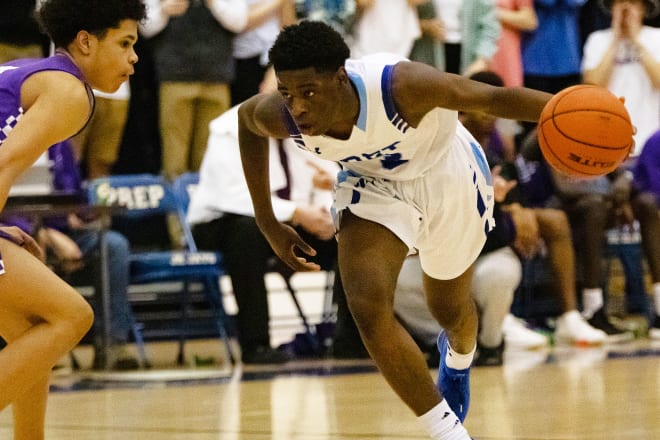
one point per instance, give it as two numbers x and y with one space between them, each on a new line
29 410
370 258
452 305
41 318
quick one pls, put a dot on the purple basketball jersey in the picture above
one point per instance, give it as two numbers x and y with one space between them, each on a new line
12 76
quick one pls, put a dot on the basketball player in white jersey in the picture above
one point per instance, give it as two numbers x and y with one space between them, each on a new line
412 179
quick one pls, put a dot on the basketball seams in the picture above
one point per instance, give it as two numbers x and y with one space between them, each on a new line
580 141
559 132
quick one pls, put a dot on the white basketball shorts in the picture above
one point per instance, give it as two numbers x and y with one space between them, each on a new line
445 214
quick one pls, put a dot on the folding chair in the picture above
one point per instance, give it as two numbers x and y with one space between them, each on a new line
184 186
145 195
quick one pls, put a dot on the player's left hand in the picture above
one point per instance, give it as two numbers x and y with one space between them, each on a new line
23 239
285 242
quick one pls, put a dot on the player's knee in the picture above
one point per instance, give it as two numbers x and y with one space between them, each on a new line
369 316
79 318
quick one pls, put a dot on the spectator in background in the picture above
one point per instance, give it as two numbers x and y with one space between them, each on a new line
250 47
647 181
551 54
515 16
222 219
625 59
470 34
192 49
593 206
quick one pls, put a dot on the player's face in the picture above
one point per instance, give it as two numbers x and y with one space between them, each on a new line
312 98
113 57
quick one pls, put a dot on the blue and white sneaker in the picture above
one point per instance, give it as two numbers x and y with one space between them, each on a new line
453 384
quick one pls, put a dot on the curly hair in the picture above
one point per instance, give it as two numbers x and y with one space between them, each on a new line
309 44
63 19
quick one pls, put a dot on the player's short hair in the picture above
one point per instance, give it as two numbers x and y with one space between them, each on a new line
309 44
63 19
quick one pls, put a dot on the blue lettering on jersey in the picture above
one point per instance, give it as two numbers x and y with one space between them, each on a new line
388 161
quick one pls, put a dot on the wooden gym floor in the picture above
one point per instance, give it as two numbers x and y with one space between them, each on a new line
560 393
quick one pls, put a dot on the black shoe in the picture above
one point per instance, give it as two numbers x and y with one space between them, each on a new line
654 328
489 356
263 355
614 334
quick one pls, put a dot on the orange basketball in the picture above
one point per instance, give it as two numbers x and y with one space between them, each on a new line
585 131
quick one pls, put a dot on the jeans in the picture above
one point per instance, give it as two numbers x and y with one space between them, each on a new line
118 268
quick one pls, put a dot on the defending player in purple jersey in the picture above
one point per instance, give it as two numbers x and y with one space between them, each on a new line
43 102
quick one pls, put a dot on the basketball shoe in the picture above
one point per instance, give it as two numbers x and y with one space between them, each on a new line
454 384
573 328
615 335
518 335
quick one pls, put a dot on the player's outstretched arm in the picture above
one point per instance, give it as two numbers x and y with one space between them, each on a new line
260 118
418 88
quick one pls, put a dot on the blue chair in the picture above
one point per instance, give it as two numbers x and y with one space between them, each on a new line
184 186
147 195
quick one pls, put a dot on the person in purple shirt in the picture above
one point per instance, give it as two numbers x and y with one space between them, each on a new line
43 102
646 183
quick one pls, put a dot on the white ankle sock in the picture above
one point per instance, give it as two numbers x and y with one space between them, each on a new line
441 423
459 361
592 301
656 298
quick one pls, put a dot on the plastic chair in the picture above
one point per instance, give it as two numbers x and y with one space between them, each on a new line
145 195
184 186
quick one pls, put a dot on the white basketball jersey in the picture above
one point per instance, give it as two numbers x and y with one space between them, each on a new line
382 144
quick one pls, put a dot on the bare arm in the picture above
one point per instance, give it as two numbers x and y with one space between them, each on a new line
419 88
56 107
258 118
258 13
600 75
523 19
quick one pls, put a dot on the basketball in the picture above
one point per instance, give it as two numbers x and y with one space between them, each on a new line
585 131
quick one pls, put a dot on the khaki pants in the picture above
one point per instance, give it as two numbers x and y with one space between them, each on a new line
186 109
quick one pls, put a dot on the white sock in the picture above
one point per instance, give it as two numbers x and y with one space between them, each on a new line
441 423
459 361
592 301
656 297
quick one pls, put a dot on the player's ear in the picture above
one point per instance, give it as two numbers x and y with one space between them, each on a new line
341 75
83 41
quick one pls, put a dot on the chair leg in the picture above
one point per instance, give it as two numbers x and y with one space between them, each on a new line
136 328
180 358
214 295
309 333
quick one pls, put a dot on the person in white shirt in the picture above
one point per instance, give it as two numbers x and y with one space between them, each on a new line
625 59
222 219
